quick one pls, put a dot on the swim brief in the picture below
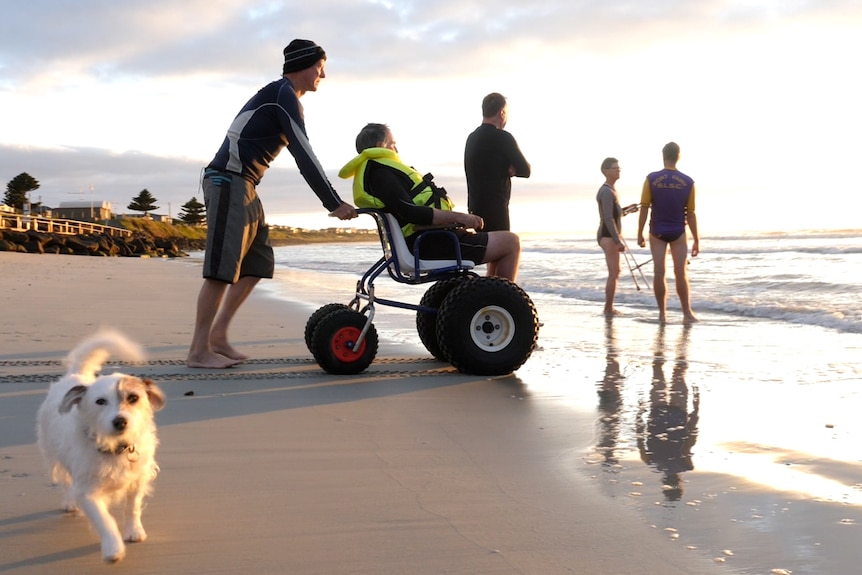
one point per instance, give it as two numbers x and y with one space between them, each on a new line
668 237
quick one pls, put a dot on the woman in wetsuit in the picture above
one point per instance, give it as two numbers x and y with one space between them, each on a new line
610 229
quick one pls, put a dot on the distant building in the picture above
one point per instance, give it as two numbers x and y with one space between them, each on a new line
84 211
154 217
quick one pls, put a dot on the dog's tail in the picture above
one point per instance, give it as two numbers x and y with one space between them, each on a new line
87 359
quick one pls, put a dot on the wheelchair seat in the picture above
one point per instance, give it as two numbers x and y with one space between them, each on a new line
405 266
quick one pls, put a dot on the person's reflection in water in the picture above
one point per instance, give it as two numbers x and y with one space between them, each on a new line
610 401
666 439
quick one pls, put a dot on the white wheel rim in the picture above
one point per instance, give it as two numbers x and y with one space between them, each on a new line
492 328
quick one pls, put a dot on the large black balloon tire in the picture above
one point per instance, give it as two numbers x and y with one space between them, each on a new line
426 323
315 318
333 342
487 327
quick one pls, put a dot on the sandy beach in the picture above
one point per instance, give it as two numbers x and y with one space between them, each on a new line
276 467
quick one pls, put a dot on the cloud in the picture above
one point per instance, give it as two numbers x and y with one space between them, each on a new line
374 38
139 93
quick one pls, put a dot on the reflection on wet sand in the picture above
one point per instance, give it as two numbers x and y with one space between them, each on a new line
765 475
610 401
666 431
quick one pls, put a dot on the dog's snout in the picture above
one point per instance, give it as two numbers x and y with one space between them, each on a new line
120 423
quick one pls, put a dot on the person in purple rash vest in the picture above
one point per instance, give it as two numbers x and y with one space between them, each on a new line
668 197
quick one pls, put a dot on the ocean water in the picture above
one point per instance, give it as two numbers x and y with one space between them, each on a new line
811 279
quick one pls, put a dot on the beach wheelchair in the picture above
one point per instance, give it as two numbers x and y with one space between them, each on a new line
480 325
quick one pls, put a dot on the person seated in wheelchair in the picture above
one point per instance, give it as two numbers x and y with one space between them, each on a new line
382 181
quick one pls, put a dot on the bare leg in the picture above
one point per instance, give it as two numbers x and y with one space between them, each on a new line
200 351
236 295
679 253
491 269
658 248
504 252
612 258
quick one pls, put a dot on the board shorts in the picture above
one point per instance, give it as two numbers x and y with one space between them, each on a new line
441 247
237 234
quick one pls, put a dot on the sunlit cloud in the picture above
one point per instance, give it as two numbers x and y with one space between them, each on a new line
728 79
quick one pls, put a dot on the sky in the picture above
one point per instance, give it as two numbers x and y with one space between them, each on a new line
100 99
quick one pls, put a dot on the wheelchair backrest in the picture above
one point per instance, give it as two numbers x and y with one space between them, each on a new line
405 266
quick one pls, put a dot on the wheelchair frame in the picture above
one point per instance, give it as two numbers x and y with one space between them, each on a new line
397 258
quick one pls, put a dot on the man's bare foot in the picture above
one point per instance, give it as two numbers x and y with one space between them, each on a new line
229 352
690 319
612 313
662 318
211 360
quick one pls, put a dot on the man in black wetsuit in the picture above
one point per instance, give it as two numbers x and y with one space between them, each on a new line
491 158
238 251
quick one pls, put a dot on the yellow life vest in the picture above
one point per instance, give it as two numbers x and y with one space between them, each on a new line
423 192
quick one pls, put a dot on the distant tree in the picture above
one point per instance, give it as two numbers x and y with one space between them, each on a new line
143 202
193 212
18 188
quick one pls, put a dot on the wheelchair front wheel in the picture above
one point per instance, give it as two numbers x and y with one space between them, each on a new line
333 342
487 327
315 318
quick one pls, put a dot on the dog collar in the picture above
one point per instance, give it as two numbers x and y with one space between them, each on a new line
118 449
131 453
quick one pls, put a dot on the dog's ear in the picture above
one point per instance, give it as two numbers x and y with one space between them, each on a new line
73 397
154 394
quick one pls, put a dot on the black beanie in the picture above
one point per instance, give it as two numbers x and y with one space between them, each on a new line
301 54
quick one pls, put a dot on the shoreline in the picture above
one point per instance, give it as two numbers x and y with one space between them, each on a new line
412 467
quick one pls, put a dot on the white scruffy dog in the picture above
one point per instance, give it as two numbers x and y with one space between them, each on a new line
99 438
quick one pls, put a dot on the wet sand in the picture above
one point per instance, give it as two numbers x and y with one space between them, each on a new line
274 466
